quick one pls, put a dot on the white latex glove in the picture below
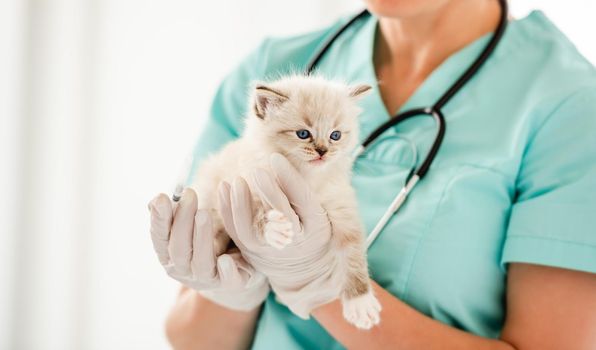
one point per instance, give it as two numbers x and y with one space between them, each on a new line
304 273
186 246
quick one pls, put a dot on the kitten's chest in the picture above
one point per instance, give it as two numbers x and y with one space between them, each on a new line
327 191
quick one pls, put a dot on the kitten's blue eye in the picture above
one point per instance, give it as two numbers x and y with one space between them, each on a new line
303 134
336 135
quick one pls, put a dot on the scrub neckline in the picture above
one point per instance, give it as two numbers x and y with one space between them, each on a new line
437 82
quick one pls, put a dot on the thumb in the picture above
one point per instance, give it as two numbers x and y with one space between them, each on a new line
161 223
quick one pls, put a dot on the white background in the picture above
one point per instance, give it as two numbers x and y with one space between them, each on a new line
100 102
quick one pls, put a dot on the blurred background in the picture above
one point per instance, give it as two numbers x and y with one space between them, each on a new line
100 101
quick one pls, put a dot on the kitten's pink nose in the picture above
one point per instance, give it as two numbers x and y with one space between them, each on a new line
321 150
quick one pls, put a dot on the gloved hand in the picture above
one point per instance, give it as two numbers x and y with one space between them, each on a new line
304 273
187 247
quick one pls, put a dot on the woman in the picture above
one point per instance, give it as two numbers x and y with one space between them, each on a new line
495 249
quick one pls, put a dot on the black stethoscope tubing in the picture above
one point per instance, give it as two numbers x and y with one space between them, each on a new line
434 110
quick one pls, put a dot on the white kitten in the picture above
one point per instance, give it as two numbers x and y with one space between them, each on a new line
313 123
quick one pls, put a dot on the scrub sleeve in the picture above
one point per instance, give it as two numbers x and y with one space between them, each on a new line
553 220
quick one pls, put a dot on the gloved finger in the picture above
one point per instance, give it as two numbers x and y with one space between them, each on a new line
271 193
227 213
203 256
247 272
161 222
180 247
225 210
228 273
296 189
242 213
244 273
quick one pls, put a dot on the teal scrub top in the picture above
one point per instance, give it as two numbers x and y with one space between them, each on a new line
514 181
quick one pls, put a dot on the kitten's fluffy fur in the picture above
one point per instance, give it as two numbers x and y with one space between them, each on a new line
277 111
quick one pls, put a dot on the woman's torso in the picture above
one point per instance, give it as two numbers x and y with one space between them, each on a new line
442 253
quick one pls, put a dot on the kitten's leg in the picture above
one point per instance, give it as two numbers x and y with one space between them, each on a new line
360 306
272 226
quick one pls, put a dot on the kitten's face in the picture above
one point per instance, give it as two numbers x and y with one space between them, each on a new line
311 121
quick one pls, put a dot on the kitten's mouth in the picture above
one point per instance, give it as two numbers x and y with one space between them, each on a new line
317 161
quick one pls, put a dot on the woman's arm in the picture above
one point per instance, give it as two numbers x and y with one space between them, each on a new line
197 323
401 327
547 308
550 308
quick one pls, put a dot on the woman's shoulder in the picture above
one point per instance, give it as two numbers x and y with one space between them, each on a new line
281 55
548 57
542 72
276 56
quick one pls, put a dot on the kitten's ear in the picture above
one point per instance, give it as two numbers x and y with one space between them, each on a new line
360 90
266 98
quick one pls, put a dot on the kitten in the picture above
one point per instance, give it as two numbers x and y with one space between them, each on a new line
313 123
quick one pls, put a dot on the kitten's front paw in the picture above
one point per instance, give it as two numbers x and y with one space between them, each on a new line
278 229
362 311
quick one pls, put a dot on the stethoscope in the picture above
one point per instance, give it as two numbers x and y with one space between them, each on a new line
416 174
